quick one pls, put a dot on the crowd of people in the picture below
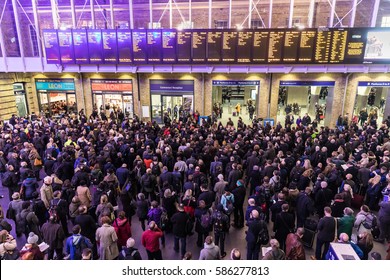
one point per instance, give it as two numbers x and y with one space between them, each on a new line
183 178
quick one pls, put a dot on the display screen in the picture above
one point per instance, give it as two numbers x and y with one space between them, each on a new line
184 45
95 46
229 46
214 44
52 48
110 49
139 46
154 46
169 46
244 46
124 46
66 47
80 46
199 46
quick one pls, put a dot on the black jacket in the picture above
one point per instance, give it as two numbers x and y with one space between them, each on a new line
179 221
254 228
129 254
326 229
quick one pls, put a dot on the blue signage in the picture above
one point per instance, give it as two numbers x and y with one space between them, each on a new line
307 83
270 121
374 84
236 83
54 85
172 86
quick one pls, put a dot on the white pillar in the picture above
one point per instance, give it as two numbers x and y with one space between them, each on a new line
112 14
151 13
93 14
170 14
37 28
291 16
210 13
250 14
190 11
375 13
73 12
271 4
311 13
230 14
353 13
332 11
3 51
131 15
18 29
53 13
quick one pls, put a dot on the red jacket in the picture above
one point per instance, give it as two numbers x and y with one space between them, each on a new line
123 231
150 239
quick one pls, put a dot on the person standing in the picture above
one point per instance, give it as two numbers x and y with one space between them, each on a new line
210 250
255 226
294 247
221 224
326 233
179 222
284 224
150 240
107 239
130 252
54 236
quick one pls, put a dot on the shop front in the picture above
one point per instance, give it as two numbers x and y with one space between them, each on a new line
174 97
113 96
372 102
298 98
234 99
56 97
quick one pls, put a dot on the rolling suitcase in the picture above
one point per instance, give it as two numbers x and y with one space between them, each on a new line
308 238
358 199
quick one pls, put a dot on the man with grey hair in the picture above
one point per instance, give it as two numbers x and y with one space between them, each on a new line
323 198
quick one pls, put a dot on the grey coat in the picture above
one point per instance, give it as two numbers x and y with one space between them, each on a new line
107 239
210 252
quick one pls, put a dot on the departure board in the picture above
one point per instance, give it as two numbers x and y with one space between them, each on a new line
66 47
139 46
291 46
214 44
244 46
184 46
306 46
275 47
354 52
110 48
169 46
124 46
95 46
80 46
260 46
154 46
229 46
322 46
52 49
199 46
339 42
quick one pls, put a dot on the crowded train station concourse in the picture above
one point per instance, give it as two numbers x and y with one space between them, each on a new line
194 129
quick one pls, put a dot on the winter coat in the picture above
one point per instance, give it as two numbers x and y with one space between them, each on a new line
142 209
294 248
210 252
46 194
84 195
53 235
345 225
123 231
107 240
179 221
29 186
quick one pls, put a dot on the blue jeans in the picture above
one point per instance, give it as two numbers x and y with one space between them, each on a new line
183 245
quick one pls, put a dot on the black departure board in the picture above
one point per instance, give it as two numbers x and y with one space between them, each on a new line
110 48
95 46
199 46
275 47
125 46
214 44
169 46
244 46
154 46
354 52
339 42
184 46
52 50
80 46
65 42
291 46
260 46
229 46
139 46
322 46
306 46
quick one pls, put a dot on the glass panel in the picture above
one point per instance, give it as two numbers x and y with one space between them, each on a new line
72 105
156 108
99 103
370 105
21 106
342 17
172 104
188 104
128 106
58 104
112 102
44 104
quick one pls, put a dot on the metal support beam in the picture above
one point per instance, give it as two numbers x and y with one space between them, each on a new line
112 14
3 51
230 14
18 31
190 11
311 13
250 14
353 13
92 13
332 12
375 13
54 14
37 28
271 4
291 15
170 14
73 12
210 12
131 14
151 13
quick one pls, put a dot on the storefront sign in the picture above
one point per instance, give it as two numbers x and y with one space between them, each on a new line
307 83
374 84
18 86
55 85
171 86
236 83
112 86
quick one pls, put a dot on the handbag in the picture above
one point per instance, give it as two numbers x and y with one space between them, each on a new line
37 162
335 231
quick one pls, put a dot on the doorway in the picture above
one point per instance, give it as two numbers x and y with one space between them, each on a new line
176 106
21 105
113 102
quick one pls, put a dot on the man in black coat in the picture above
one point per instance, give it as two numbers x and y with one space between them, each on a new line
179 221
255 225
206 195
284 224
123 174
239 193
323 198
276 208
326 233
304 206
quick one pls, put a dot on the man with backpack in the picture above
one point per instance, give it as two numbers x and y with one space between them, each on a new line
256 236
129 252
76 243
10 180
58 210
203 222
221 224
148 184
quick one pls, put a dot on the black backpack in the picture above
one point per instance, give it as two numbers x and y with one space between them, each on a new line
156 169
263 237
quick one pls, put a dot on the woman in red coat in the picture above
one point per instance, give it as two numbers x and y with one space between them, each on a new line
122 229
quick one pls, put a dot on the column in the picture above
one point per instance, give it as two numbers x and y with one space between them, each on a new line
387 104
315 97
329 110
